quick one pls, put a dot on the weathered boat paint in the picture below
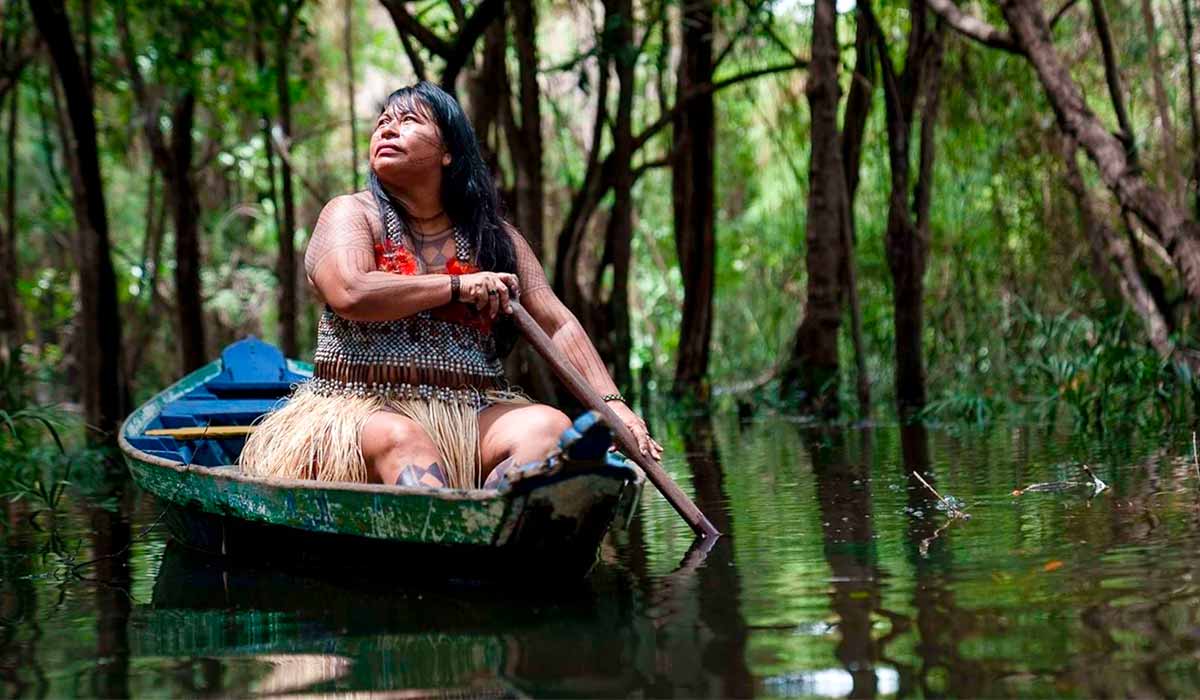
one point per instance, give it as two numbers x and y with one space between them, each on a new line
559 505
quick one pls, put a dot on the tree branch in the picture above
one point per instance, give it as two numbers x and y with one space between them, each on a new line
149 107
1061 11
973 27
406 24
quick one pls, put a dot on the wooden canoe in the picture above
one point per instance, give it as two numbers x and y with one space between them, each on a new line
546 521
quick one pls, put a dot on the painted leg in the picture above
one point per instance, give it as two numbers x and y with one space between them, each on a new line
398 451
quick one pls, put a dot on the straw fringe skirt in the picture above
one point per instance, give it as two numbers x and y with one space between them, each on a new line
318 437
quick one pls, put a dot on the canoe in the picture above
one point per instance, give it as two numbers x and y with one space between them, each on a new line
545 520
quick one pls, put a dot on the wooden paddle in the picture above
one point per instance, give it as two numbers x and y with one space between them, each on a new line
202 432
625 439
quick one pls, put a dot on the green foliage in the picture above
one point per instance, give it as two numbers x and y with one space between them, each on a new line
1007 261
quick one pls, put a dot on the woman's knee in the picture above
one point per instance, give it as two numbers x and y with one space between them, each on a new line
388 434
545 424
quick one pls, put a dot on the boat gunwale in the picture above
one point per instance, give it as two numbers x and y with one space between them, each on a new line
152 408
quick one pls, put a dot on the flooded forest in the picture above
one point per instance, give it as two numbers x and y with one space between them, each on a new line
907 290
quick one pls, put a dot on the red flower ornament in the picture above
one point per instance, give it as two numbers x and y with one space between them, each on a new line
394 258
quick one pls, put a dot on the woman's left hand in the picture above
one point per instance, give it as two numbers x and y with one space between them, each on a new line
646 444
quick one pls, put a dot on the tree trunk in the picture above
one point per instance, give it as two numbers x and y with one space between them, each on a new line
1168 224
854 126
146 322
619 235
99 319
530 190
570 239
348 43
810 376
285 266
1193 111
1112 77
185 206
1174 176
694 199
1116 253
260 62
523 132
907 233
11 326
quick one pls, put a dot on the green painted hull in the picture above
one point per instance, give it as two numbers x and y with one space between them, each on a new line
558 511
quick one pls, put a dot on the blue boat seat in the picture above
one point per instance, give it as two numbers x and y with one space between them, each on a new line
252 367
218 411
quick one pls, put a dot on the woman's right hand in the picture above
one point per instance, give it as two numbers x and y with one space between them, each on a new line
489 292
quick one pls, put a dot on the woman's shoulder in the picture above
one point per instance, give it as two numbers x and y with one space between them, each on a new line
362 200
354 208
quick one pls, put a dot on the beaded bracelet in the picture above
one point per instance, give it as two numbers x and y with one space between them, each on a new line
455 282
614 397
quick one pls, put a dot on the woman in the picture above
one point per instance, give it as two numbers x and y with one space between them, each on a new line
417 274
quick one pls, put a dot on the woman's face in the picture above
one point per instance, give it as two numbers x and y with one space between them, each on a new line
407 142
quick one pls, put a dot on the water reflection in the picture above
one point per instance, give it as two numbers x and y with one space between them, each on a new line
840 578
843 490
723 657
20 667
111 540
940 624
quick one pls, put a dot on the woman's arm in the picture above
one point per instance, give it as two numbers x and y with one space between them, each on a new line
340 261
569 337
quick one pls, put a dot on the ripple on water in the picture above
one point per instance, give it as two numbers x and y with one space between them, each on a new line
841 577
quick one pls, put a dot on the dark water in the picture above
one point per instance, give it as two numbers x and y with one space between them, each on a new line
842 578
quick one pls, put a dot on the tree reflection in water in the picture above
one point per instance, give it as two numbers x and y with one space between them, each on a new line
843 489
940 668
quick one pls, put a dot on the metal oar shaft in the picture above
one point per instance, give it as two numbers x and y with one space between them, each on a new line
625 438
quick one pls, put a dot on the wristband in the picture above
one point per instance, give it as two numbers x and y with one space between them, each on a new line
455 283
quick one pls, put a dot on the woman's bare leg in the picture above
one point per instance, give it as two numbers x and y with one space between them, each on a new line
398 451
516 434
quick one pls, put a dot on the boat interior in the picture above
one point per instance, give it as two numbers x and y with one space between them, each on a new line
254 377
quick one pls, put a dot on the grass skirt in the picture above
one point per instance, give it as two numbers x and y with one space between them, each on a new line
314 436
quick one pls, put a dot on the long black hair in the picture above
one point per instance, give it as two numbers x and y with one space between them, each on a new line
469 194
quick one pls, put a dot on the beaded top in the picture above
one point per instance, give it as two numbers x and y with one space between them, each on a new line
447 353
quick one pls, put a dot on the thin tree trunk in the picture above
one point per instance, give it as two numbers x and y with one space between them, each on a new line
185 205
570 239
854 125
174 161
99 319
1116 253
11 326
260 62
1174 175
1169 225
530 190
1193 111
348 39
810 376
619 238
147 320
523 132
1112 76
907 235
285 267
489 104
694 199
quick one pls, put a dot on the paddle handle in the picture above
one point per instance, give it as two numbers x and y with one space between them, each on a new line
583 391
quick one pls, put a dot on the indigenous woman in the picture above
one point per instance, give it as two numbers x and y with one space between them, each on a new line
417 274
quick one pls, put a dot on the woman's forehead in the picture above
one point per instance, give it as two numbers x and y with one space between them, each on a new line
407 104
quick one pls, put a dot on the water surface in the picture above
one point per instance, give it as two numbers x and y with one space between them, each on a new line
842 577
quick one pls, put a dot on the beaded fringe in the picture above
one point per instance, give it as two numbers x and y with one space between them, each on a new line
317 435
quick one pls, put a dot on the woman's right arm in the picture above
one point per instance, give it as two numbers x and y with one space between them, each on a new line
340 262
